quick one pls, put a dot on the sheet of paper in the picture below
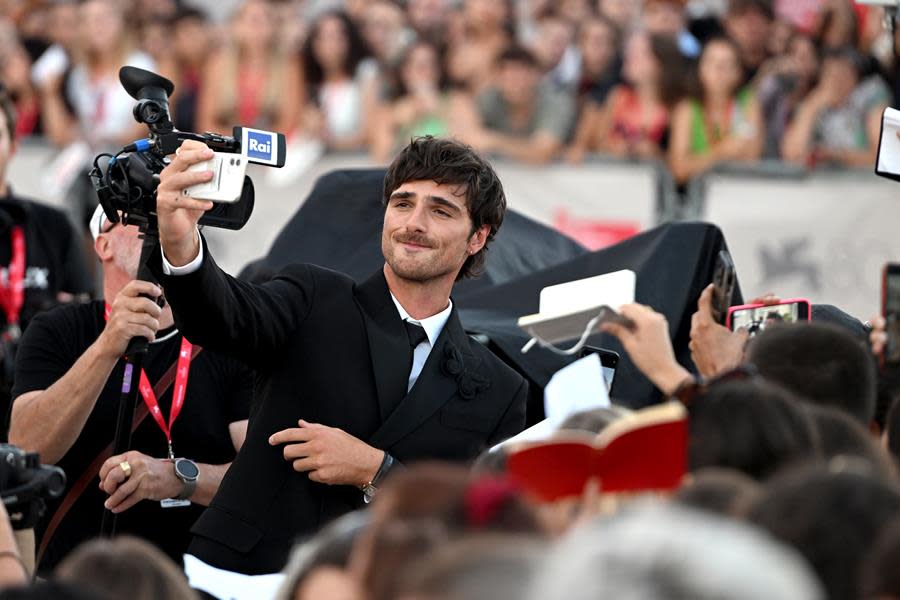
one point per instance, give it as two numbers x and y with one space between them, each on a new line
577 387
611 289
227 585
889 150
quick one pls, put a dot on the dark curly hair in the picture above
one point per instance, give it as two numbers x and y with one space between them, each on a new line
447 161
357 50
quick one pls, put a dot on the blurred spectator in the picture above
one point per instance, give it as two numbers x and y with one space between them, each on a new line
124 567
820 363
317 567
634 122
386 548
449 495
833 517
667 17
787 81
575 11
429 19
624 13
837 25
752 426
522 118
671 553
749 24
338 82
840 120
15 77
63 36
250 81
154 9
486 31
781 35
384 30
892 431
154 38
424 105
726 492
839 434
103 109
191 45
594 420
598 45
552 48
722 122
48 590
498 567
881 577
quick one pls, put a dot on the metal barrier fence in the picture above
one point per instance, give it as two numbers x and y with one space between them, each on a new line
823 235
598 202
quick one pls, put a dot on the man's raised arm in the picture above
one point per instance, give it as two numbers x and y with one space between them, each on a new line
212 308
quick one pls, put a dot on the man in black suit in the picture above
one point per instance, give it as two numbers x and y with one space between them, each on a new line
353 378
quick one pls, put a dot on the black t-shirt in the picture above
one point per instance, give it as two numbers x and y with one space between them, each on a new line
54 258
219 392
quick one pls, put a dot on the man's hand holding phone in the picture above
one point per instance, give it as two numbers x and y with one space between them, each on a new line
179 214
714 348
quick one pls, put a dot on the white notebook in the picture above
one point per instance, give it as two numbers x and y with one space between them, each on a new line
888 162
566 309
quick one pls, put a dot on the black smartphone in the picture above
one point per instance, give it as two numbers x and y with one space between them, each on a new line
890 310
609 361
723 286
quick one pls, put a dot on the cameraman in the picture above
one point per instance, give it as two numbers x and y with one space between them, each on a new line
69 375
41 262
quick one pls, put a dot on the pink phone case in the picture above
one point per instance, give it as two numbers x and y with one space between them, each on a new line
735 309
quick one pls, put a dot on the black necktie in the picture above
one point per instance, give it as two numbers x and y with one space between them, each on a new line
416 335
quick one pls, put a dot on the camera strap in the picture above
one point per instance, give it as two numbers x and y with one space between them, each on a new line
150 397
87 477
12 293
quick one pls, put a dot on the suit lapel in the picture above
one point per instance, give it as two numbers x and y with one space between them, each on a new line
434 387
388 343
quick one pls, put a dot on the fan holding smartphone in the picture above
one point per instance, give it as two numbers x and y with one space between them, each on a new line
890 310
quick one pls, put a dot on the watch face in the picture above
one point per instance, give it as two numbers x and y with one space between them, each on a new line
187 469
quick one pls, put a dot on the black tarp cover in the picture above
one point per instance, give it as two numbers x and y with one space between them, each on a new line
339 227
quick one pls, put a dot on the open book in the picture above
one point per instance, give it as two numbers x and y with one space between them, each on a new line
645 451
574 309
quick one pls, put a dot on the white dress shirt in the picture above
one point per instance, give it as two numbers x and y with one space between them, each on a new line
433 326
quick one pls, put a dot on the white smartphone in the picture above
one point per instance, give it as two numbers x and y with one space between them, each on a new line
227 182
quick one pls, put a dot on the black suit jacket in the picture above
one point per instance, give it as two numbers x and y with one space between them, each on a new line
334 352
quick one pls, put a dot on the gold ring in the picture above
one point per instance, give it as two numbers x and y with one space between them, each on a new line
126 468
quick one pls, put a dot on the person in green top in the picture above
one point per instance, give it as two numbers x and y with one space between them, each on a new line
423 106
722 122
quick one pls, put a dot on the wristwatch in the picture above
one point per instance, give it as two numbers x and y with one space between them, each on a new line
187 471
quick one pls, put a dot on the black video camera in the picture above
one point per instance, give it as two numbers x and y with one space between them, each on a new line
126 184
25 484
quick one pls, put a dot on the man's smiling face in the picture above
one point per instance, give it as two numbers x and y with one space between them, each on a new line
427 231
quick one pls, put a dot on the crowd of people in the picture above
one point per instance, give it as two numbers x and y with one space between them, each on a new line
692 82
351 435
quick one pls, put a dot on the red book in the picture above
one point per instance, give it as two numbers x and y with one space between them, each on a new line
645 451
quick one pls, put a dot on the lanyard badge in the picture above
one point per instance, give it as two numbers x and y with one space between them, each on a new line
178 392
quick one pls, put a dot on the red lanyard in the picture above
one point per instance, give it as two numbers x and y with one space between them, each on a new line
178 393
12 295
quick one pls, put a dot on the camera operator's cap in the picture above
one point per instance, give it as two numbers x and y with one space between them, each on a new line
98 222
